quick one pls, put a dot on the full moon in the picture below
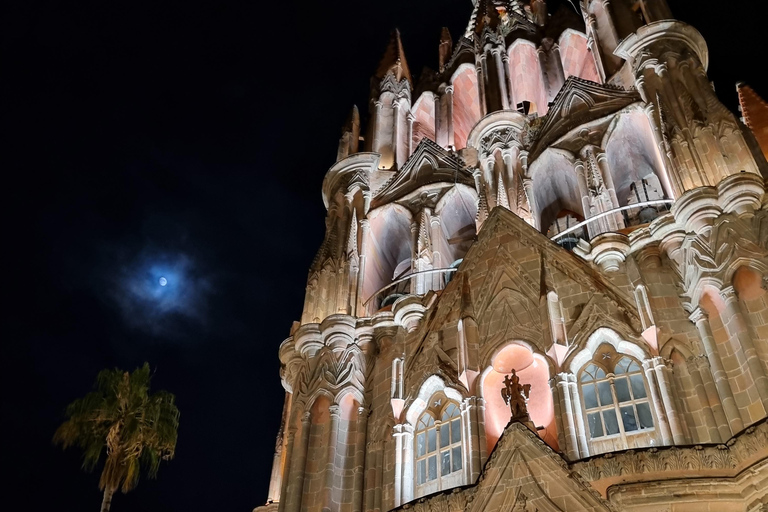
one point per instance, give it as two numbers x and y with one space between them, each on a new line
163 281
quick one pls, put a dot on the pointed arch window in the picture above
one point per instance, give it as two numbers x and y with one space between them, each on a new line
438 450
615 396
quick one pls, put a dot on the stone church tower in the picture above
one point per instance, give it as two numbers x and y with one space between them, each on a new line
564 200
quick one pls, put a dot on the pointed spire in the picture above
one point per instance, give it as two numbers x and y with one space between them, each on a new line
394 60
754 113
446 47
491 14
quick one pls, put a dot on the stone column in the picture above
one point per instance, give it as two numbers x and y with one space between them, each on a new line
711 408
509 178
360 445
665 388
487 166
722 385
285 496
593 43
403 434
481 85
295 491
569 425
482 442
581 431
508 75
396 132
415 253
330 460
410 118
502 76
471 440
658 406
737 326
527 183
559 417
375 144
275 481
554 54
365 227
602 163
436 234
586 199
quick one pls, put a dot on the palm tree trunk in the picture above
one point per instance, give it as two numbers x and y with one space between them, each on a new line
107 501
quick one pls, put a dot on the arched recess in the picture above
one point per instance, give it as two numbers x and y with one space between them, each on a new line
634 161
525 75
457 210
555 188
575 55
533 369
423 118
388 247
466 103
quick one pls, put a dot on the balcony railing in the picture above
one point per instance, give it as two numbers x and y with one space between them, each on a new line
623 210
403 285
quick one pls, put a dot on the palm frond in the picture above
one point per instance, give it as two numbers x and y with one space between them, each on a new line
136 429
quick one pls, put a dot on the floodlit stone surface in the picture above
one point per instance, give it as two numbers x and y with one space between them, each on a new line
564 198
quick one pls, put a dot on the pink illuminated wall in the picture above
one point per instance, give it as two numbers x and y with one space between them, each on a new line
532 369
525 73
466 104
424 119
577 61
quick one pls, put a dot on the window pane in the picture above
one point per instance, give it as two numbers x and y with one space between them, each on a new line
644 412
621 366
595 425
611 423
600 374
638 386
421 447
422 472
456 457
432 467
455 431
431 440
628 418
590 398
622 389
445 462
445 434
604 390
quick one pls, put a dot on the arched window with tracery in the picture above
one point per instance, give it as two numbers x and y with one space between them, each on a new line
438 447
615 397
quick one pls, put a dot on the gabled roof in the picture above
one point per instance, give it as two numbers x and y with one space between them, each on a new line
394 61
429 163
578 102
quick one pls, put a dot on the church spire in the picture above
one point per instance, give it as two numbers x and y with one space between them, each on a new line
394 60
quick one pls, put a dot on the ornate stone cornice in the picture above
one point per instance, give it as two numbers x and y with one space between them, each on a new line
653 464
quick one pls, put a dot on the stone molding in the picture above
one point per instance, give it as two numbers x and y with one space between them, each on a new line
651 464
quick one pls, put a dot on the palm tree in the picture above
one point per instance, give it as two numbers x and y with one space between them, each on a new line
138 429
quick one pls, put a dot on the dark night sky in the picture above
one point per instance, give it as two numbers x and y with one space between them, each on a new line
190 139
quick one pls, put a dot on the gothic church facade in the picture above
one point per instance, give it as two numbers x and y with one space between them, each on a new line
567 199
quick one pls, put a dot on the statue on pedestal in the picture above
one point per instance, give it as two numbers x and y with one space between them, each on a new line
515 395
